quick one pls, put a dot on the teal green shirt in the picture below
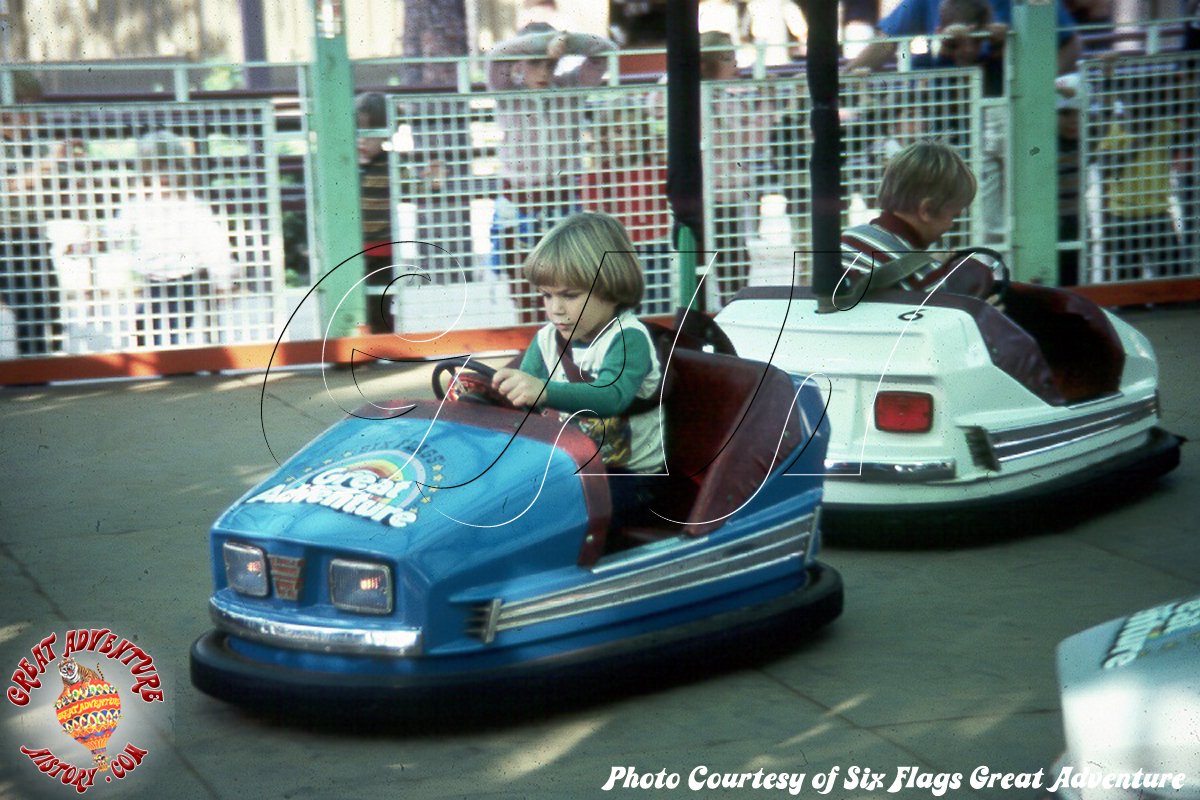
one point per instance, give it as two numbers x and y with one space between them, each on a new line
614 386
622 366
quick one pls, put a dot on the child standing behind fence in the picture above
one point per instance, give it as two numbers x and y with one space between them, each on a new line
374 183
174 244
1067 107
539 154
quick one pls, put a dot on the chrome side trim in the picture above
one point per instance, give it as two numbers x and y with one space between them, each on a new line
892 472
773 546
489 618
1014 443
316 638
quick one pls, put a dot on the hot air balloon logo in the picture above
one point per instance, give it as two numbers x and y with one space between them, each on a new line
88 708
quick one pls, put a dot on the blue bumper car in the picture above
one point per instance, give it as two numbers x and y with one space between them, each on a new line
431 554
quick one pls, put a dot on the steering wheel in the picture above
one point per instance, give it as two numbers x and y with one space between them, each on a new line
991 259
471 383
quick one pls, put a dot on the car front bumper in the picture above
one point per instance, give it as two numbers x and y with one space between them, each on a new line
630 664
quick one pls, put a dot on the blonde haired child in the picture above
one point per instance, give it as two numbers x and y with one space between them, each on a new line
593 355
925 186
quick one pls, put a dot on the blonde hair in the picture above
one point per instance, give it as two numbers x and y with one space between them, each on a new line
589 250
923 171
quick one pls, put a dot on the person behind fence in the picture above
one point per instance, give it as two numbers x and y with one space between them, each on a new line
1189 152
924 187
593 358
28 282
1135 159
1067 109
959 24
375 197
174 244
739 140
539 154
442 186
627 181
922 18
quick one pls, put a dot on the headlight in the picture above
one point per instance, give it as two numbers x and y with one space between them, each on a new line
360 586
245 569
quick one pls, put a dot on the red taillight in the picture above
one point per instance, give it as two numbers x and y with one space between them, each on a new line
903 412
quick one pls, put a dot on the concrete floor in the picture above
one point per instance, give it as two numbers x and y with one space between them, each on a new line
943 659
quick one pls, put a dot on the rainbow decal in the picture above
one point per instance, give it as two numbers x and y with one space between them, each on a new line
379 485
88 712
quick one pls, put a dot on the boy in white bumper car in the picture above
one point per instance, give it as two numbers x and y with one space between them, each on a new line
925 187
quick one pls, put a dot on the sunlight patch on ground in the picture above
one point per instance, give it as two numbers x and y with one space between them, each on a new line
846 705
981 726
149 385
554 745
814 732
10 632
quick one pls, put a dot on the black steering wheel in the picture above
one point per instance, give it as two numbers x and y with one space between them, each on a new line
991 259
470 382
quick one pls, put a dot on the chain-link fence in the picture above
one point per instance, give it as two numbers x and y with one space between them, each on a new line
1136 154
478 179
138 226
91 262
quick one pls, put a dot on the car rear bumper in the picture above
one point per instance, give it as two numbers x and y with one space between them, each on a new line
1154 457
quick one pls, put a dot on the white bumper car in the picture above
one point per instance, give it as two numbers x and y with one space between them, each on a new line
941 402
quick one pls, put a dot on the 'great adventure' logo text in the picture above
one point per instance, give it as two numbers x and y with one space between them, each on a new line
380 486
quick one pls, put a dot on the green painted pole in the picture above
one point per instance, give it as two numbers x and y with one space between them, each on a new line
334 159
686 242
1034 146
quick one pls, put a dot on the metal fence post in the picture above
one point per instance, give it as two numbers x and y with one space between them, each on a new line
335 196
1033 152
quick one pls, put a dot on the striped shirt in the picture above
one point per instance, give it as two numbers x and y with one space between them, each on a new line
887 237
619 366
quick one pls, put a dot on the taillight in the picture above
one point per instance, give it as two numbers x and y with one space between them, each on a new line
903 412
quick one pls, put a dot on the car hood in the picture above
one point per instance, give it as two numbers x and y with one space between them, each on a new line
392 480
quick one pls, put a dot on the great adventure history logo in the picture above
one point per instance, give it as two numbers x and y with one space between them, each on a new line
87 705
